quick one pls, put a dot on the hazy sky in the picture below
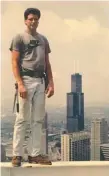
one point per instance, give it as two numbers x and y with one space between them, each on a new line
78 33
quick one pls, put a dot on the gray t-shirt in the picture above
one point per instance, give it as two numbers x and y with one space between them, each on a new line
32 50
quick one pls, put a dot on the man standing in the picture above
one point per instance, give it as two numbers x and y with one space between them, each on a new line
30 58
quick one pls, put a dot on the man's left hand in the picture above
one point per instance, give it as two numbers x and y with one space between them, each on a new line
50 89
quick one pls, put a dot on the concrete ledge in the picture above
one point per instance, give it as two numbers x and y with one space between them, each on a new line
91 168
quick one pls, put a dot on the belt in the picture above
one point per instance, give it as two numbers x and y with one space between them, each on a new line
32 73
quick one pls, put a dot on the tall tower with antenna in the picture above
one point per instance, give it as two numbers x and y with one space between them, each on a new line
75 103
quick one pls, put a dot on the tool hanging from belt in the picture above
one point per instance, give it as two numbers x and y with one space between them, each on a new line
16 101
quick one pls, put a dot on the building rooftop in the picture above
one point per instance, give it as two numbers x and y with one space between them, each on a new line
105 145
83 168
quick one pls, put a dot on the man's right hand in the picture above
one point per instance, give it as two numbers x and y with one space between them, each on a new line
22 90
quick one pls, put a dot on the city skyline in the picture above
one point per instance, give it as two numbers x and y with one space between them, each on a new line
82 33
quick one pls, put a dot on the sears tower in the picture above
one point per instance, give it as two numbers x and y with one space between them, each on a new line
75 105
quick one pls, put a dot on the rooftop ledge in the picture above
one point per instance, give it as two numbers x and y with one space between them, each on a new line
78 168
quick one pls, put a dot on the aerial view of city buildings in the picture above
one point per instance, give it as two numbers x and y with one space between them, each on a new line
69 139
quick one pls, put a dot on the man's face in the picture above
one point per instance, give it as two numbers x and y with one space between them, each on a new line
32 21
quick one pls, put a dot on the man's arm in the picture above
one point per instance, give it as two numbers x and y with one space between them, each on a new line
16 72
15 67
49 70
50 88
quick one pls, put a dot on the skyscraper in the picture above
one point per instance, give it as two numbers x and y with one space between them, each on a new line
75 105
99 135
105 151
75 146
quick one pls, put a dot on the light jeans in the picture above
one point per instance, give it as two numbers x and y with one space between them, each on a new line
32 111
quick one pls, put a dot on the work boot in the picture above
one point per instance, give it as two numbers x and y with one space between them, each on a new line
16 161
40 159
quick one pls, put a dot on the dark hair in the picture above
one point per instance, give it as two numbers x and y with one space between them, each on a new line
33 11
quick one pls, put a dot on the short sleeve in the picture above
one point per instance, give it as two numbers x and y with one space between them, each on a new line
15 43
47 46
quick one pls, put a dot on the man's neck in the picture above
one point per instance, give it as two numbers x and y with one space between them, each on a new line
32 32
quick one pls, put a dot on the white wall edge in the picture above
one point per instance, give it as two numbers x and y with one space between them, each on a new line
82 168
